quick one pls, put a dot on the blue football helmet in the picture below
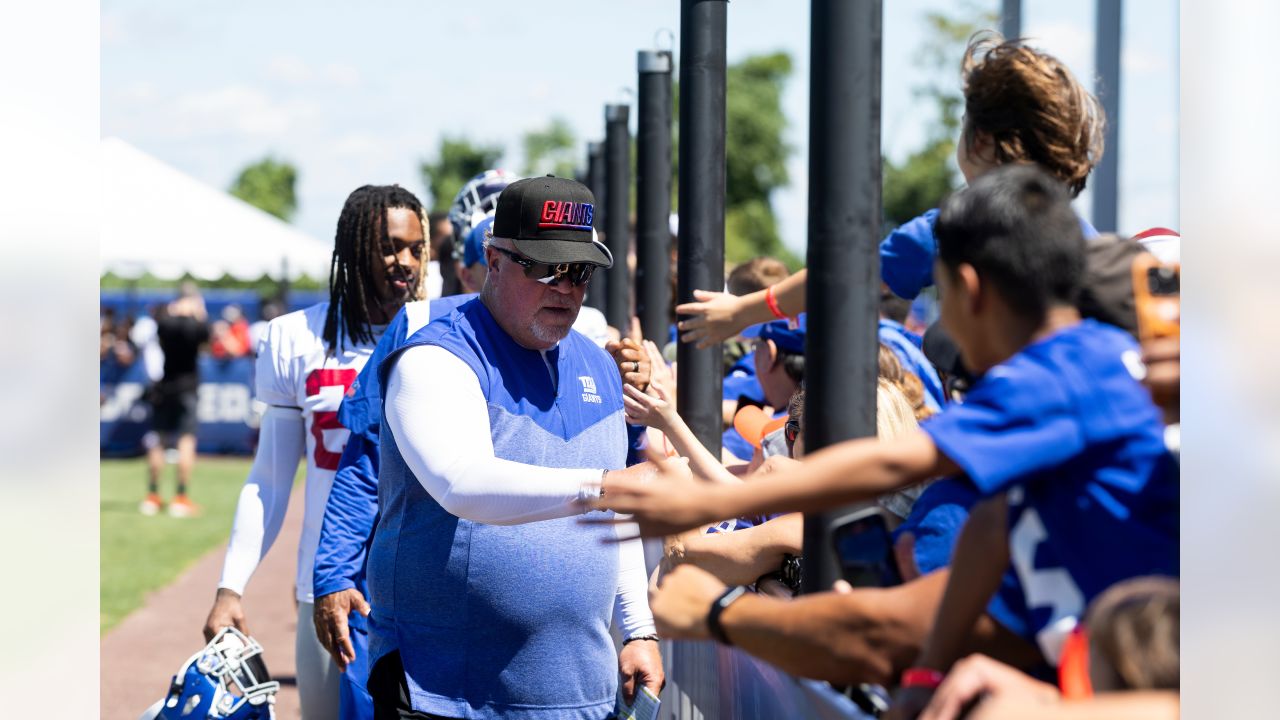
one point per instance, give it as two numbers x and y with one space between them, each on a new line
225 680
477 198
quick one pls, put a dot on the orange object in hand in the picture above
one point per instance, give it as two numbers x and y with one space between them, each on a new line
1157 297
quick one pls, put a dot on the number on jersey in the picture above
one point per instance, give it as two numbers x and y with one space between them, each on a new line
325 458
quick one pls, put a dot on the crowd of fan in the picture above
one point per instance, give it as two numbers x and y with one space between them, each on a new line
123 340
1025 460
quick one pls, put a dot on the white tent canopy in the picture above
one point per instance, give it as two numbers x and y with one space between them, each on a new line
158 220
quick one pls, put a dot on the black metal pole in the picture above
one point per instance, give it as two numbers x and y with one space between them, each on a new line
617 217
598 290
702 184
653 193
1106 176
1011 19
844 229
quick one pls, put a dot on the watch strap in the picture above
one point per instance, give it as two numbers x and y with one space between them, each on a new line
718 607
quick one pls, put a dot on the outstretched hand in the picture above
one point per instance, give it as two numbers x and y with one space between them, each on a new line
651 408
682 600
716 318
669 502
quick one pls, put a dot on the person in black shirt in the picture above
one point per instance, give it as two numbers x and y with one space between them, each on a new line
181 329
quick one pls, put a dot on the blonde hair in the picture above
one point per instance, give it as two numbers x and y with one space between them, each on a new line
908 382
894 415
896 418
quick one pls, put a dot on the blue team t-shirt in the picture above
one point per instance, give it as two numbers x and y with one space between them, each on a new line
935 522
906 346
741 380
1070 435
906 254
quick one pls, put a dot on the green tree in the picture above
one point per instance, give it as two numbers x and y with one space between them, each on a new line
552 149
929 174
755 156
457 161
755 153
269 186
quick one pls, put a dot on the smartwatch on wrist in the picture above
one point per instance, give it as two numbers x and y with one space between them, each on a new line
718 607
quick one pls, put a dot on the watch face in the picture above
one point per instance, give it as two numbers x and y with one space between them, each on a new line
713 617
790 573
730 596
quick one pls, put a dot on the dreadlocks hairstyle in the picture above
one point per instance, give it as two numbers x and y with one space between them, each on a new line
362 231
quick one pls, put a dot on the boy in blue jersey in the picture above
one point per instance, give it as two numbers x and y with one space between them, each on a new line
1057 436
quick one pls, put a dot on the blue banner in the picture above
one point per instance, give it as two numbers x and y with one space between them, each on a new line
225 407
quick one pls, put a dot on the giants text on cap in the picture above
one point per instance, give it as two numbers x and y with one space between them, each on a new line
566 214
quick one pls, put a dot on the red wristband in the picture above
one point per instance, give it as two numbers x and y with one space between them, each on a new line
922 678
772 302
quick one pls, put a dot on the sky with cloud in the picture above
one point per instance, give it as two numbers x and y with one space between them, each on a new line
361 93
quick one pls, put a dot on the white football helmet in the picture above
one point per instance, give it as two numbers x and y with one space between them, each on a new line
477 198
225 680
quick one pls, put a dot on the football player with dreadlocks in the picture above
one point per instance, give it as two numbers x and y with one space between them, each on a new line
306 362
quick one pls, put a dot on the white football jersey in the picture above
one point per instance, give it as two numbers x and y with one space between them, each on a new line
294 370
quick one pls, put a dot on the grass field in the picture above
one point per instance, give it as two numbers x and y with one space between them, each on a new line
141 554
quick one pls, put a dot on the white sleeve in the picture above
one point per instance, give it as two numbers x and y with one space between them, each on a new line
631 613
265 496
440 420
273 370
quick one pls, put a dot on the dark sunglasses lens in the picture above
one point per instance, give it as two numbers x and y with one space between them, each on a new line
580 273
577 273
792 432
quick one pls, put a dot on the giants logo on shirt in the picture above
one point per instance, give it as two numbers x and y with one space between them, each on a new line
589 389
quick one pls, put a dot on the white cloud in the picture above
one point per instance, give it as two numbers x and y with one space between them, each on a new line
139 92
142 26
289 69
293 70
356 144
239 109
540 90
342 75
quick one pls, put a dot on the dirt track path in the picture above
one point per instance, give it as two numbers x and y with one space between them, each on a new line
140 655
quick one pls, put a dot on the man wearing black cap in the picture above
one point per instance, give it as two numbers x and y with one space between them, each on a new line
489 598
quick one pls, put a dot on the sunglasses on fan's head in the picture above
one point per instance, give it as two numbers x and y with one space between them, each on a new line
547 274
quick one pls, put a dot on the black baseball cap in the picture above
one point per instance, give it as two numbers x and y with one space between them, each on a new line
549 220
1106 292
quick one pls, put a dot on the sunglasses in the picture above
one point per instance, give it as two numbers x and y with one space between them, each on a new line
791 431
577 273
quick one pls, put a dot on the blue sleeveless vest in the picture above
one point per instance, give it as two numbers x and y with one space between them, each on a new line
504 621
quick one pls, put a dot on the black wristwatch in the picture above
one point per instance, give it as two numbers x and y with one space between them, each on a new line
789 574
717 607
